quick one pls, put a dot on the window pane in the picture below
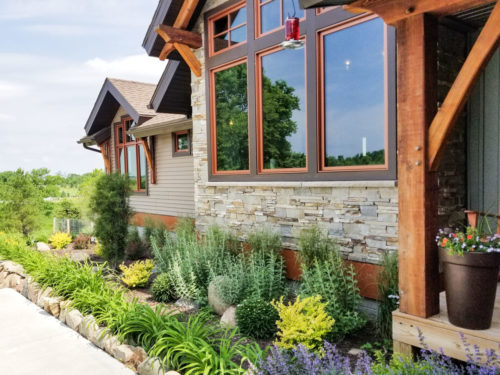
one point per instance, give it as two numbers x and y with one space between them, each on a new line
120 135
270 16
182 142
132 167
238 17
354 95
284 109
220 25
121 156
289 10
238 35
221 42
231 110
142 161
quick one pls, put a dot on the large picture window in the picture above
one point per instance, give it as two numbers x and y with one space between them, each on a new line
130 156
326 111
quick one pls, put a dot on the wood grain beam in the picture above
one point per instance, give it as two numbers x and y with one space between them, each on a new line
167 49
392 11
447 116
150 159
175 35
185 14
417 188
189 58
106 157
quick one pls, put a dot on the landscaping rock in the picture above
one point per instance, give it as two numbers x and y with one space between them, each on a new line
42 296
123 353
33 291
229 317
98 336
172 373
88 324
187 305
3 275
4 283
79 257
20 286
139 355
52 305
42 246
110 343
13 280
74 319
214 299
150 366
64 311
12 267
355 351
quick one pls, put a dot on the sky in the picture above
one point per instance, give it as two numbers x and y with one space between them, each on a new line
54 57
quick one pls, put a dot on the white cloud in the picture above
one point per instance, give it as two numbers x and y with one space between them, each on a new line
4 117
65 30
12 90
129 66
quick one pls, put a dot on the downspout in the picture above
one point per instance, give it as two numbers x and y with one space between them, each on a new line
90 148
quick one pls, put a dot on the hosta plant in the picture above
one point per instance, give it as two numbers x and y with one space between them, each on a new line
60 240
137 274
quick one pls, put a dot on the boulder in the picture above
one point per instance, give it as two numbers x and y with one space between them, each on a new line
214 299
20 286
229 317
123 353
98 336
33 291
74 319
52 305
172 373
150 366
64 310
139 355
4 282
12 267
3 275
110 343
13 280
42 246
88 324
42 296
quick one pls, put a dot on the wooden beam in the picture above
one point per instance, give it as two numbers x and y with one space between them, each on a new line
150 159
167 49
189 58
175 35
447 116
417 188
105 156
392 11
185 14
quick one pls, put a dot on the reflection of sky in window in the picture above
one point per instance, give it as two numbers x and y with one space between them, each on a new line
354 89
288 9
238 17
288 65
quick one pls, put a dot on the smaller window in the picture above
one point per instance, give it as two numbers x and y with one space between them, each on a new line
228 29
273 13
181 143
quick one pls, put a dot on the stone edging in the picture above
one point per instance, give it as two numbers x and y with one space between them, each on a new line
12 275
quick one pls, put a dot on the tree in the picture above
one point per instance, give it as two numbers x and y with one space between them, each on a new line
110 204
21 202
66 209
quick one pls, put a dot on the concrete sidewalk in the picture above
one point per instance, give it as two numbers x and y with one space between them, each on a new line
34 342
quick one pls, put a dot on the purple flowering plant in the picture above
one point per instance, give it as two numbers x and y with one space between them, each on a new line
472 240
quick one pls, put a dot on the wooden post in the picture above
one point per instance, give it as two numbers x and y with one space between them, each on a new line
417 103
68 227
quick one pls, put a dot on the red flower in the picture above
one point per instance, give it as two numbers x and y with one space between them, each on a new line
454 234
469 236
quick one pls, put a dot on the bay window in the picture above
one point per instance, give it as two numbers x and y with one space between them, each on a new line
323 112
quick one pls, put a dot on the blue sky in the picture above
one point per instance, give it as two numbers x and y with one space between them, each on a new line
54 57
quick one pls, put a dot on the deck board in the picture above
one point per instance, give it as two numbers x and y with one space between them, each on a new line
439 333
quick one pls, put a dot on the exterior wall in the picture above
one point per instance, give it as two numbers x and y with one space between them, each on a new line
173 194
361 215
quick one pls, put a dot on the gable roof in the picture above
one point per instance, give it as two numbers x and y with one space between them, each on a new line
133 96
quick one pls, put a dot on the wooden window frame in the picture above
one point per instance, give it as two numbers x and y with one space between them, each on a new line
260 114
258 18
213 120
122 127
310 27
175 143
321 101
225 13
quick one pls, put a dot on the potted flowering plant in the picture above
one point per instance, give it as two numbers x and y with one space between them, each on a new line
470 262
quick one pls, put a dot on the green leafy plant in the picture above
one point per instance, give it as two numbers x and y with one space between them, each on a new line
136 247
66 209
81 241
472 240
163 289
257 318
138 273
110 204
388 294
303 322
60 240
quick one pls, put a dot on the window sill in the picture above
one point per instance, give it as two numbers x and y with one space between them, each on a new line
305 184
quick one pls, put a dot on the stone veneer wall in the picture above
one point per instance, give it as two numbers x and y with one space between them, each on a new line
361 215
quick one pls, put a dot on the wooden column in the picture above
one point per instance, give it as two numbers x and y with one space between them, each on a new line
417 103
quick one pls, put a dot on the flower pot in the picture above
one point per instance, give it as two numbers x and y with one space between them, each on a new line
470 283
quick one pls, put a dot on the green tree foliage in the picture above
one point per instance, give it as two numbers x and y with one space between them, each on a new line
110 204
373 157
21 202
86 188
66 209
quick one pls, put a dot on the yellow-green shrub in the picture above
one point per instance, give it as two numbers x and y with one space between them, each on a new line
138 273
60 240
98 249
302 322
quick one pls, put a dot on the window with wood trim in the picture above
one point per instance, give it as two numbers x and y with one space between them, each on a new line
323 112
181 143
271 14
228 29
130 156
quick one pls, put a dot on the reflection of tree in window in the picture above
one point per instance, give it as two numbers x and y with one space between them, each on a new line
232 118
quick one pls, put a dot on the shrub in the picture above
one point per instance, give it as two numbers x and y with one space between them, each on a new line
98 249
81 241
302 322
110 203
66 209
388 290
60 240
137 274
163 289
324 273
257 318
136 248
265 241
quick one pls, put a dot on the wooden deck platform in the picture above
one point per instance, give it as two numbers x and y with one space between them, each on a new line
439 333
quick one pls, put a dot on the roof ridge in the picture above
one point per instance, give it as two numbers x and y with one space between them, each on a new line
111 79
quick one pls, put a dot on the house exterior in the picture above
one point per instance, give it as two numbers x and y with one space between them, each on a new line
153 149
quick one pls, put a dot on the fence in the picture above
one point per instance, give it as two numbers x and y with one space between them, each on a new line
73 226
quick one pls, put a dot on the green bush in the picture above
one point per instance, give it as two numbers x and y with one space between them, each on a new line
163 288
60 240
257 318
137 274
324 273
303 322
388 294
136 248
66 209
110 204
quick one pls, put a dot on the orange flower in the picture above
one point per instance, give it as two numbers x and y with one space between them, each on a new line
444 241
469 236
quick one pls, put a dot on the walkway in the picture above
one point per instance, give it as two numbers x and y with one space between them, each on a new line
34 342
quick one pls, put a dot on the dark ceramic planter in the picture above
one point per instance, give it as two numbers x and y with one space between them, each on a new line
470 282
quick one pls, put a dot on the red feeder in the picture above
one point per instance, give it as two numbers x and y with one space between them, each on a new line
292 29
